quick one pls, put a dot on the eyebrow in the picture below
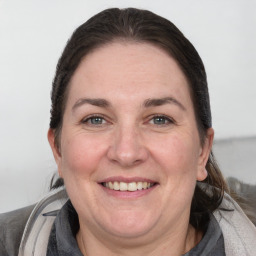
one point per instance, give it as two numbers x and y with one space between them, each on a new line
162 101
95 102
147 103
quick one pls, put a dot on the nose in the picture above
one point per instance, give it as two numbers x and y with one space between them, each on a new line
127 148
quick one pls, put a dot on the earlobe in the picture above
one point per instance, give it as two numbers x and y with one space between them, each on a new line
204 155
55 150
202 175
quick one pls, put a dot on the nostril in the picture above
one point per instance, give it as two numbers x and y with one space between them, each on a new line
127 159
127 149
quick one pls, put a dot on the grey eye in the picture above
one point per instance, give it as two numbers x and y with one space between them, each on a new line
96 120
159 120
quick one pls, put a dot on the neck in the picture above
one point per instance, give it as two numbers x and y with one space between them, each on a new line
176 243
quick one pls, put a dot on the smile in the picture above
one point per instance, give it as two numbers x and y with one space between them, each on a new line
131 186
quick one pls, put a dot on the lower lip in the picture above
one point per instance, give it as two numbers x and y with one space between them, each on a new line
128 194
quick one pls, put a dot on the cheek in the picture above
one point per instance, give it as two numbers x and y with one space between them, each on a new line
177 155
177 161
81 155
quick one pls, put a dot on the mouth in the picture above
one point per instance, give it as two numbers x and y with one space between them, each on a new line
128 186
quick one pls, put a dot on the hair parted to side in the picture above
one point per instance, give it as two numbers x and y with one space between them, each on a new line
143 27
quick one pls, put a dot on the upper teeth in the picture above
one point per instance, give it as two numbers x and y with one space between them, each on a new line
131 186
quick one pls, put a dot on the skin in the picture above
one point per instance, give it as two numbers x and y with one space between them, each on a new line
129 142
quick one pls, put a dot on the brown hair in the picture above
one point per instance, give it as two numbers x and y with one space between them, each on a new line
144 26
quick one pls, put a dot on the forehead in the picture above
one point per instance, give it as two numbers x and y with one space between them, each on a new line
127 68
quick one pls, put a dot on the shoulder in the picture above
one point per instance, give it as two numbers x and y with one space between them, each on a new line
12 226
238 231
13 237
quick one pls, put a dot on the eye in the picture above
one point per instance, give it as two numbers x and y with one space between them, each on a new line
94 120
161 120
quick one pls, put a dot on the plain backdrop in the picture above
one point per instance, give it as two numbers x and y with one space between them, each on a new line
33 34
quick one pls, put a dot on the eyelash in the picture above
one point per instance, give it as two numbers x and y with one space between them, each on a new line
166 118
91 117
88 120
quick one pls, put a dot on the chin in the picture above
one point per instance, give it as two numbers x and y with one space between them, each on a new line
130 224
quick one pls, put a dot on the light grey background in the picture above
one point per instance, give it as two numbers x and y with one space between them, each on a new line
32 36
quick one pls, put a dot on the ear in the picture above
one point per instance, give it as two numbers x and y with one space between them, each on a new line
204 155
55 150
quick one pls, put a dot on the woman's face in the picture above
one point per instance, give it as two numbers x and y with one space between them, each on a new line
130 151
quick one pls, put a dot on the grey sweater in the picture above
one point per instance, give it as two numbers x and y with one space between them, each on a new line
29 228
12 225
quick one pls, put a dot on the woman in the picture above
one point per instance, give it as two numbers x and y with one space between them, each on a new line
131 134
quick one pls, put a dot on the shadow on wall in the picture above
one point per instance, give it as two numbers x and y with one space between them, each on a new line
237 158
